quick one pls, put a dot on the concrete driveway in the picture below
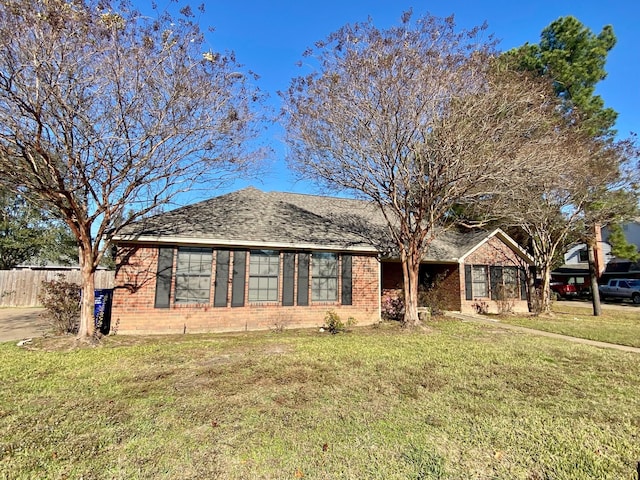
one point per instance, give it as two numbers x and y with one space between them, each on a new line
21 323
608 305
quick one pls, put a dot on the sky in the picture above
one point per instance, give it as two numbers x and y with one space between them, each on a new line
269 37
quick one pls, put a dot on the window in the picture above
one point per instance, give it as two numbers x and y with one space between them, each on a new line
479 281
510 282
324 277
583 255
193 275
263 275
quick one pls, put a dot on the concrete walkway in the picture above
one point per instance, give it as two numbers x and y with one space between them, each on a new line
531 331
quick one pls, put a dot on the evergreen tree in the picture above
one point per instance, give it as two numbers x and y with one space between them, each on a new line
619 245
574 58
28 235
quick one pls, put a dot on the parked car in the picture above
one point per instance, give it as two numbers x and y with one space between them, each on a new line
622 288
564 290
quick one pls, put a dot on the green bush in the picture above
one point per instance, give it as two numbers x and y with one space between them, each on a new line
61 299
333 324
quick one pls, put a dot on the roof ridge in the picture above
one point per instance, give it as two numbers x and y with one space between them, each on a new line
314 195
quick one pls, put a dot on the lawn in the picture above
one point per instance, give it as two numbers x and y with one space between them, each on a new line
460 400
613 326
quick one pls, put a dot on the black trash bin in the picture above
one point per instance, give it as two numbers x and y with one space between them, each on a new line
102 309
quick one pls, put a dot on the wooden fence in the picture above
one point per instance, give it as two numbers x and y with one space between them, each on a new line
20 288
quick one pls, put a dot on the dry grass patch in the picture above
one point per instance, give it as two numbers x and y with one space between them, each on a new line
381 403
620 326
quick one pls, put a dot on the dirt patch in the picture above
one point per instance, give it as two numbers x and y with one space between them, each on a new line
60 343
21 323
277 349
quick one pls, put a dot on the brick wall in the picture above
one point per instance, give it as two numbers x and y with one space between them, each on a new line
447 294
392 280
134 297
448 286
450 293
493 252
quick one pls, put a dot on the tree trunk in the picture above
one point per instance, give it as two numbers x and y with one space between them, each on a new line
410 271
593 274
545 290
531 289
87 322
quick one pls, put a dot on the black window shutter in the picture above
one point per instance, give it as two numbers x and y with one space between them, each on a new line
468 285
163 277
222 279
303 279
523 284
346 280
495 273
239 273
288 279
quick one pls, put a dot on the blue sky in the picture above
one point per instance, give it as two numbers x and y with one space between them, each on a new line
270 36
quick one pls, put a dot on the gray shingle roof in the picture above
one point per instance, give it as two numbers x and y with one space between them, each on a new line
250 217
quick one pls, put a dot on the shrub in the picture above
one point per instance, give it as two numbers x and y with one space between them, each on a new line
61 299
432 295
393 307
481 307
506 299
536 301
280 323
333 324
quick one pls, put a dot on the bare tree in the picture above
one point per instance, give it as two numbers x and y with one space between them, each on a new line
418 118
549 208
609 194
585 182
574 57
106 115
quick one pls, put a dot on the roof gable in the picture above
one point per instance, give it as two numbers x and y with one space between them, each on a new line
510 242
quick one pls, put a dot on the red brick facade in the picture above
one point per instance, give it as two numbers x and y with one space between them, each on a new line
445 277
134 309
494 252
450 291
134 303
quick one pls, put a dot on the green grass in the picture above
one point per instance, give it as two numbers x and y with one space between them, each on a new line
613 326
460 401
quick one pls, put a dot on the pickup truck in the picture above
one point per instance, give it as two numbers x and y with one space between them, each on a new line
621 288
564 290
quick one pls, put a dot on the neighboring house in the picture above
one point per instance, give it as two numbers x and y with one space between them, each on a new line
254 260
576 267
617 267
